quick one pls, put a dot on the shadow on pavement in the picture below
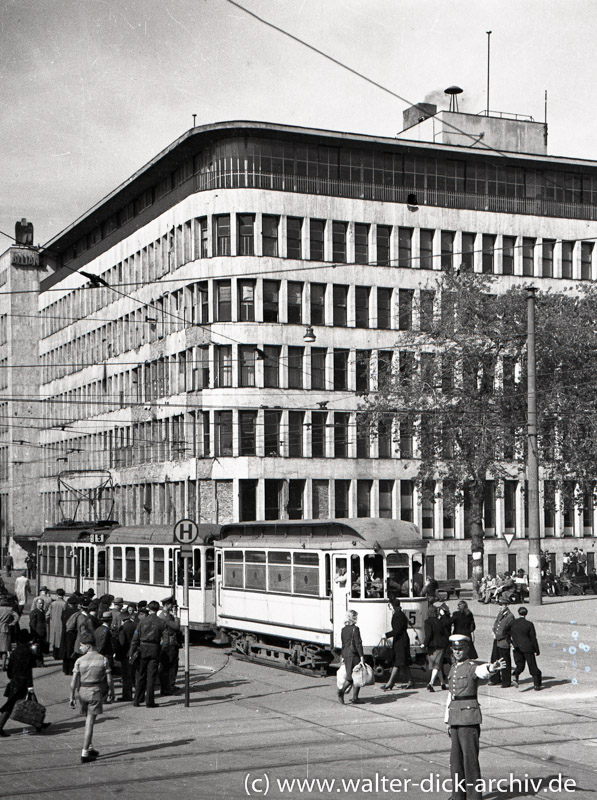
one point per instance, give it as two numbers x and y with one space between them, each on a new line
147 748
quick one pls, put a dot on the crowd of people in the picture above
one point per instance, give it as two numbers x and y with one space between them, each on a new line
96 640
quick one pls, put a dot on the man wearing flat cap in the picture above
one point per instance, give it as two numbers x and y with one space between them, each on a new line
463 716
524 639
103 638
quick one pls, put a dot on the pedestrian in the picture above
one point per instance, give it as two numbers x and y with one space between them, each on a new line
147 641
31 564
44 596
9 565
125 639
92 679
463 622
80 623
170 646
22 591
501 644
54 621
116 609
400 648
524 641
103 638
20 674
69 634
436 644
463 716
8 620
352 654
38 630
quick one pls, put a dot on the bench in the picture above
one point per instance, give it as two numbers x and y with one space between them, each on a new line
449 588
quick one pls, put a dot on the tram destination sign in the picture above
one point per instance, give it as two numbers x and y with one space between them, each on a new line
185 531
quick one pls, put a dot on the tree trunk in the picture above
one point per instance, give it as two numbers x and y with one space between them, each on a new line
477 538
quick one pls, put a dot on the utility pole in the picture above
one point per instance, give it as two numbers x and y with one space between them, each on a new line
488 63
532 463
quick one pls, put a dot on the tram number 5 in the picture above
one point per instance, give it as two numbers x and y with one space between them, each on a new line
412 617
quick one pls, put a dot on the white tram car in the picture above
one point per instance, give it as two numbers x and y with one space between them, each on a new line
283 588
135 563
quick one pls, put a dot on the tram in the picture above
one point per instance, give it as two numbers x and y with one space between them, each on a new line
135 563
278 591
283 588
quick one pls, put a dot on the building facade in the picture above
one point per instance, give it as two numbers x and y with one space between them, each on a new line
208 328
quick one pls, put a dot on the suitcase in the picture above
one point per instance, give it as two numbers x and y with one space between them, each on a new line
29 711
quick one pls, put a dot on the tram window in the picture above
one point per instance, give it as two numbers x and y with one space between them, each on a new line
195 577
255 569
279 572
117 563
417 578
397 582
91 562
374 576
158 565
51 560
170 566
60 560
44 558
340 577
233 569
209 567
355 576
101 564
69 562
306 573
144 565
130 571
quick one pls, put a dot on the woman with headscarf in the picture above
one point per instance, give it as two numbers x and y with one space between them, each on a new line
38 630
400 647
463 622
20 673
352 654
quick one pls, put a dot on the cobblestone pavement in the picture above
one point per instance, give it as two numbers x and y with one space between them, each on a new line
251 728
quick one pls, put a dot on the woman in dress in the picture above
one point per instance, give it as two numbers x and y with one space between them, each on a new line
463 622
352 654
400 647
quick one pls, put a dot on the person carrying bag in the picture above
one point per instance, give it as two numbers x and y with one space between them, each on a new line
21 702
352 654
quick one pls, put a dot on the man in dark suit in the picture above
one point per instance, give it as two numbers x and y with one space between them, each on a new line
524 639
501 644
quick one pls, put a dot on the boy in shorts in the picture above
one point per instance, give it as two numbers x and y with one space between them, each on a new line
92 678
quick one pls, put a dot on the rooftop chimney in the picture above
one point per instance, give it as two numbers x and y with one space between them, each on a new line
419 113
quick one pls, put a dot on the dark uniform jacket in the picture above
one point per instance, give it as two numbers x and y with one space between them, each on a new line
501 627
151 629
103 641
171 633
524 637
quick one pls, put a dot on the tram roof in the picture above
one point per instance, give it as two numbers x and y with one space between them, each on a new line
133 534
337 534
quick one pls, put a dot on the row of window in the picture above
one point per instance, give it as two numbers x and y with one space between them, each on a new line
349 171
361 243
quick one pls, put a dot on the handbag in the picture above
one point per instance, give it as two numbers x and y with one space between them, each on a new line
383 651
341 675
363 675
30 710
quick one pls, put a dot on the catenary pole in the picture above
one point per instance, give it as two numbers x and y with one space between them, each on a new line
532 463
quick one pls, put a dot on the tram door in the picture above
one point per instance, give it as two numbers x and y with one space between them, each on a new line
340 594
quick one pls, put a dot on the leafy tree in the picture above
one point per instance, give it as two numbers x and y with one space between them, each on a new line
459 382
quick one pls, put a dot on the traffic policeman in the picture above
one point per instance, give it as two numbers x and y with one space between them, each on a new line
463 716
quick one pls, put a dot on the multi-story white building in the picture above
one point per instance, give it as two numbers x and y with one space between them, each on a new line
207 328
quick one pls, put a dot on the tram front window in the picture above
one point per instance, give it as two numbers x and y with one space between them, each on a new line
355 576
397 583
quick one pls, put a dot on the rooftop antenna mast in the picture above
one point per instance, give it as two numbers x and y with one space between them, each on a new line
488 62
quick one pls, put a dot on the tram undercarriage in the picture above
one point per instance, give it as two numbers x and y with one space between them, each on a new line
312 659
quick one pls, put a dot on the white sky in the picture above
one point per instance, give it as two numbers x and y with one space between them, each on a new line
92 89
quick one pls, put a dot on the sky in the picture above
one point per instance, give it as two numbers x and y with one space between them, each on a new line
90 90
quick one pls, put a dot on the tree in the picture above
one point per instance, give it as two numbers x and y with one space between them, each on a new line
459 382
